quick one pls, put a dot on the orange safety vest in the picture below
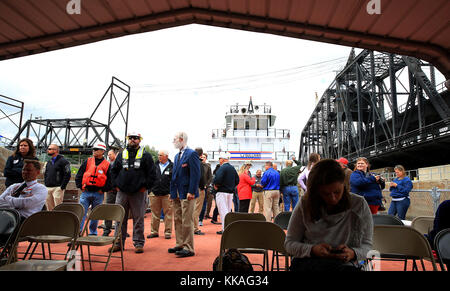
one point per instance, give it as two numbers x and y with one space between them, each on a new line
95 175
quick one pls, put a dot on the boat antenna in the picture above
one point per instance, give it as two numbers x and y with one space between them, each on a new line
250 106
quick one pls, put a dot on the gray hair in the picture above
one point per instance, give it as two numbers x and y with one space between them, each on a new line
183 136
164 152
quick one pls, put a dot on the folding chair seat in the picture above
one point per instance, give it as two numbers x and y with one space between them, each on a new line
423 224
9 225
403 242
442 247
282 220
236 216
44 223
253 234
75 208
386 219
113 212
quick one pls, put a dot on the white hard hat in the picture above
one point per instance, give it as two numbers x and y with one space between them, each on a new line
99 145
134 133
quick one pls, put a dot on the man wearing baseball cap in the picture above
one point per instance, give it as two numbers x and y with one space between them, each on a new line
94 179
344 165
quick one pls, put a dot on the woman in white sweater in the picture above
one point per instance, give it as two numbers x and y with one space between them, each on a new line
331 228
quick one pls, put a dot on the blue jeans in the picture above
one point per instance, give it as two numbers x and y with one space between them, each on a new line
290 193
400 208
90 199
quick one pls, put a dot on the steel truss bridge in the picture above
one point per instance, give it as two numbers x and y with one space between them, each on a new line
384 107
78 135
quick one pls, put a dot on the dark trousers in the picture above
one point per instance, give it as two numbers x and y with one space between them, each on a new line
134 204
202 213
110 199
244 205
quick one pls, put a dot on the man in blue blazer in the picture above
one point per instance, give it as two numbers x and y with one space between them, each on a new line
183 192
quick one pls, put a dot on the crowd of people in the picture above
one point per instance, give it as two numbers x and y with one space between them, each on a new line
331 204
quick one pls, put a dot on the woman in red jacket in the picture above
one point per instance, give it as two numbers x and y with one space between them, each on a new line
244 187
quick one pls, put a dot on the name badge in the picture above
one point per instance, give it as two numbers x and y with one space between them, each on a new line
27 192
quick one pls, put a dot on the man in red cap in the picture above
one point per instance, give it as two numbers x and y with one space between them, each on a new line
344 165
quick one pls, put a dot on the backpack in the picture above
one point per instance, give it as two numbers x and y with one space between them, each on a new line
233 261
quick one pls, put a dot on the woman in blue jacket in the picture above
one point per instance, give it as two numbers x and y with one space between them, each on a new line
364 183
400 188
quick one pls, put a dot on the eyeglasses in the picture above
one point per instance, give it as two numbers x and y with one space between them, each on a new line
134 137
50 149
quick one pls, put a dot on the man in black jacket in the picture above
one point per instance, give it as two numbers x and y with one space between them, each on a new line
133 174
225 181
159 197
56 177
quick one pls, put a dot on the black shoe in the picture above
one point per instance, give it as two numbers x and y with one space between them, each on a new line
215 222
184 253
199 232
152 235
174 250
208 217
102 226
106 233
220 232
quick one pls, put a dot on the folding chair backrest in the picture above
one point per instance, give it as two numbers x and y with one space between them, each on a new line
423 224
75 208
386 219
404 240
62 223
282 219
113 212
58 223
235 216
253 234
442 246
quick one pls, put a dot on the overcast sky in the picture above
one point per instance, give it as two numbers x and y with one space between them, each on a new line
182 79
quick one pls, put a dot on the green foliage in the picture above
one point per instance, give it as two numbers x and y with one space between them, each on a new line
152 151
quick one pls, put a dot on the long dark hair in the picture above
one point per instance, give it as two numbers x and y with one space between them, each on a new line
31 149
325 172
313 159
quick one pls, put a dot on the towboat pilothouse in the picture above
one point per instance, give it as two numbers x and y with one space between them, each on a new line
249 135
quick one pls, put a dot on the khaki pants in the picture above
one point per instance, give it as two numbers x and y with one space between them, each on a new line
55 197
257 197
183 211
198 207
271 204
156 204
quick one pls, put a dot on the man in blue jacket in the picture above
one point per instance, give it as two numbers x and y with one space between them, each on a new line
271 182
183 191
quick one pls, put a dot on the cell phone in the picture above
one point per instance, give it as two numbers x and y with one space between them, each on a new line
336 251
